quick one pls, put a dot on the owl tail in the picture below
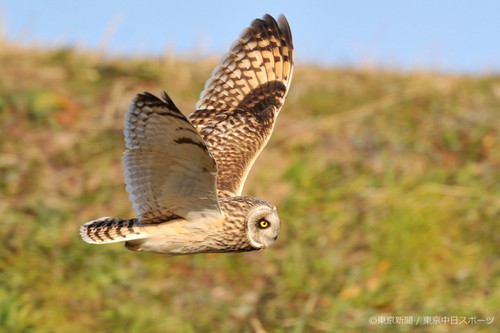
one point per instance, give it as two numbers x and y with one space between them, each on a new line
111 230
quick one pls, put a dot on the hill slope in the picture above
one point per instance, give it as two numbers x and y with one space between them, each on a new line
387 185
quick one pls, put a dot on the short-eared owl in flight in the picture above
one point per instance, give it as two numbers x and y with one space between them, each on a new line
184 175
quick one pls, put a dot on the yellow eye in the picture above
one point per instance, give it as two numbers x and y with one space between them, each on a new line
263 224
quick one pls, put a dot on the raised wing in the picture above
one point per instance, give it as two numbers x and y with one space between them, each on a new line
237 110
169 171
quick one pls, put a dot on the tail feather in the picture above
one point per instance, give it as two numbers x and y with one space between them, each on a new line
111 230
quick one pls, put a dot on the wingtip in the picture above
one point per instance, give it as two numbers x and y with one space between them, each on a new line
167 98
147 97
282 17
281 24
284 26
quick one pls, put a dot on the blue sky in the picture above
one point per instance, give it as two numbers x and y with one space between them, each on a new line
458 36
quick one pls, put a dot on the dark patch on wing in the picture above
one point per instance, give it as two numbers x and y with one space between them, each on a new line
161 219
259 99
190 141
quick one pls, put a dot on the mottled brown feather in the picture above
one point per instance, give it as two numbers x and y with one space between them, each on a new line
237 110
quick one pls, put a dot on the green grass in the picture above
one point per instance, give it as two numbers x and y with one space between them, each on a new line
387 184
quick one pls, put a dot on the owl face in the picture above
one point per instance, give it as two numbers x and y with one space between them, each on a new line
263 226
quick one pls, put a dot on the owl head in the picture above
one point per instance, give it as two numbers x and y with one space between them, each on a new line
263 226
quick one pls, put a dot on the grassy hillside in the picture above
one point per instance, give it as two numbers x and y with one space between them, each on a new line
387 184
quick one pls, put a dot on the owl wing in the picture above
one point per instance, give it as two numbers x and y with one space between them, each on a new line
169 171
237 109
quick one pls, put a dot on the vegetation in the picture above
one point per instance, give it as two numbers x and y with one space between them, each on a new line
387 184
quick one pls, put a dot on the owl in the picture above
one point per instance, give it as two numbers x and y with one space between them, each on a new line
185 175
